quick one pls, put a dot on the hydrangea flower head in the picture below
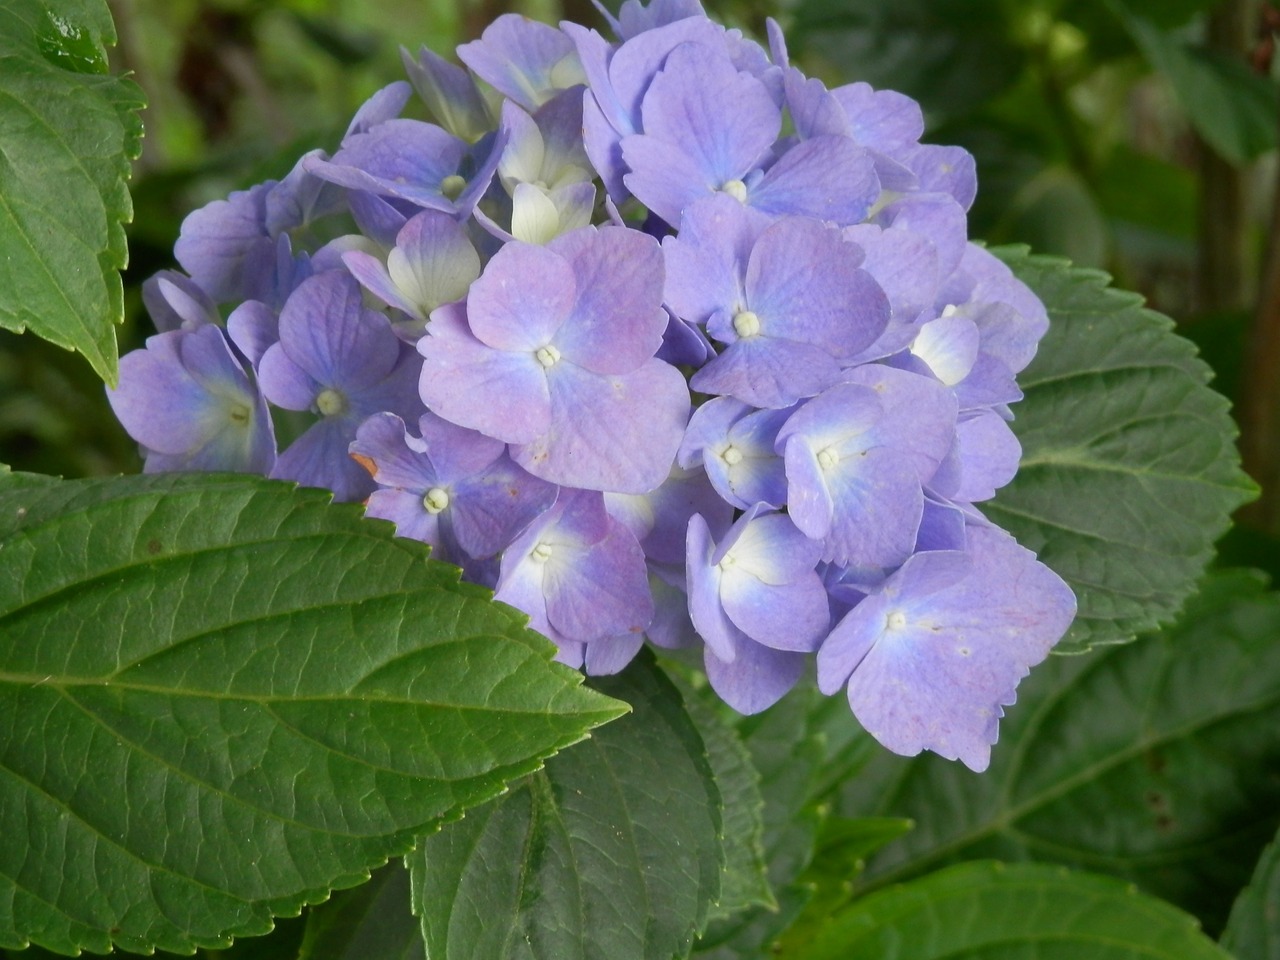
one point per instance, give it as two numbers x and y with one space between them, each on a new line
658 337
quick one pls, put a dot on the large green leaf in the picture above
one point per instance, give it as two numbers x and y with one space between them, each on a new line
224 697
993 911
69 131
796 746
1129 471
1253 930
745 882
1153 761
613 852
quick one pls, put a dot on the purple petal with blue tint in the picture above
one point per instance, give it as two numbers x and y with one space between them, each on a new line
685 107
595 441
217 241
703 588
326 331
457 368
526 60
253 327
285 383
883 120
665 179
491 506
521 300
804 282
173 300
945 170
936 216
766 372
301 197
756 679
785 616
827 178
617 320
319 458
400 158
706 263
609 655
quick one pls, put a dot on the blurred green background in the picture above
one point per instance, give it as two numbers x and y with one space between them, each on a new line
1136 136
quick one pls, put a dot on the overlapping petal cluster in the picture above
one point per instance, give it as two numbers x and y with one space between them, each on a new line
657 337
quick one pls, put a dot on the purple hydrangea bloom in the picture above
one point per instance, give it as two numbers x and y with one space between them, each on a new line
343 362
757 602
452 488
932 656
693 148
857 459
190 403
580 575
736 445
222 240
414 161
535 285
561 342
787 298
617 80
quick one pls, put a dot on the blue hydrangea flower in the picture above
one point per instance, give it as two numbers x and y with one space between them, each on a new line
932 656
697 349
188 401
339 360
452 488
581 577
561 342
757 602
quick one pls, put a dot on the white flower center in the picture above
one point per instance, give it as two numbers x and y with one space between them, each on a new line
746 324
731 455
452 186
541 553
548 356
331 403
828 458
896 620
727 562
436 499
736 189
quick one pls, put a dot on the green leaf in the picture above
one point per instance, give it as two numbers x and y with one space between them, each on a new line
372 922
612 853
1152 761
1232 107
1253 930
792 749
993 911
843 849
950 55
1129 471
227 697
69 132
745 882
